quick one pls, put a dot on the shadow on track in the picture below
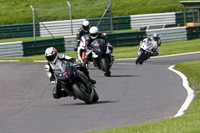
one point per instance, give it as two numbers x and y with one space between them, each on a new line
124 75
99 102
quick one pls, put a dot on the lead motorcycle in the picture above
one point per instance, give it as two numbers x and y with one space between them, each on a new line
75 83
144 51
101 56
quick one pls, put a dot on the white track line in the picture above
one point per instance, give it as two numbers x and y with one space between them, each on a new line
190 92
163 56
9 61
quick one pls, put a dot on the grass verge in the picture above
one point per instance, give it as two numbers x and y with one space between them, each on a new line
188 123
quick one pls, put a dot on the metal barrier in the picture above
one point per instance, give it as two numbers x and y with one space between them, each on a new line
170 34
144 20
59 28
36 47
69 42
126 38
11 49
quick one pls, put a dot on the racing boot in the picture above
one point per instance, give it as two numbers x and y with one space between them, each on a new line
58 93
92 81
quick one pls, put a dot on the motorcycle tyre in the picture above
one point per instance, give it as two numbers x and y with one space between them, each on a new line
95 98
139 59
85 63
80 93
105 64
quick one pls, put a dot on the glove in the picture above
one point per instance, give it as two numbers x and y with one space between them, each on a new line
88 53
53 82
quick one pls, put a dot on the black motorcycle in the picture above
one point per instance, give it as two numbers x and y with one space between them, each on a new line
101 56
75 83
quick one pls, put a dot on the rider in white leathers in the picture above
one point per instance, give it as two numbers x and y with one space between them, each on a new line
54 63
155 41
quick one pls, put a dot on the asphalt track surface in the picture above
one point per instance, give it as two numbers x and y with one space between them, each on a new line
134 94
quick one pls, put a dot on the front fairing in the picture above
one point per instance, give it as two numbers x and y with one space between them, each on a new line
66 73
99 46
145 47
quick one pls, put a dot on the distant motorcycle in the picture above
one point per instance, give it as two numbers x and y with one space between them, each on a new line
75 83
144 52
101 56
81 51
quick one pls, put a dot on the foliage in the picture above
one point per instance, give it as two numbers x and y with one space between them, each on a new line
19 11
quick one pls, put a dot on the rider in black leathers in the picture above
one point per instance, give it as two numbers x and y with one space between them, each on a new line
81 32
93 35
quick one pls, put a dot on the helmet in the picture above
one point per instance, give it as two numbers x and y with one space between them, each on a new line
51 54
86 25
155 36
94 32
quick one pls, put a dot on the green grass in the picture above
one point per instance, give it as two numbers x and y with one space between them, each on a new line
19 11
166 48
188 123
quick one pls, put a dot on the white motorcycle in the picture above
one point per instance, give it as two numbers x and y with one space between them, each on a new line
144 51
81 51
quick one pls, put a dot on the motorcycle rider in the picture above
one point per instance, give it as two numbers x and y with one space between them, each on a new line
54 61
156 43
82 31
94 34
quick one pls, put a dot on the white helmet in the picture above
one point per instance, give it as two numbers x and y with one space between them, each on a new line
94 32
51 54
86 25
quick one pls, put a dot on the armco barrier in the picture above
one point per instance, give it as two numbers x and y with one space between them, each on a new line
60 28
11 49
18 30
126 38
144 20
189 17
170 34
39 46
119 23
67 43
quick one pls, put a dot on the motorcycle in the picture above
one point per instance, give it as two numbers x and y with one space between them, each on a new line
81 51
101 56
75 83
144 52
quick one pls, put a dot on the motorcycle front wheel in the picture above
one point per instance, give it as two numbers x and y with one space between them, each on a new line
106 68
95 98
139 59
81 92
